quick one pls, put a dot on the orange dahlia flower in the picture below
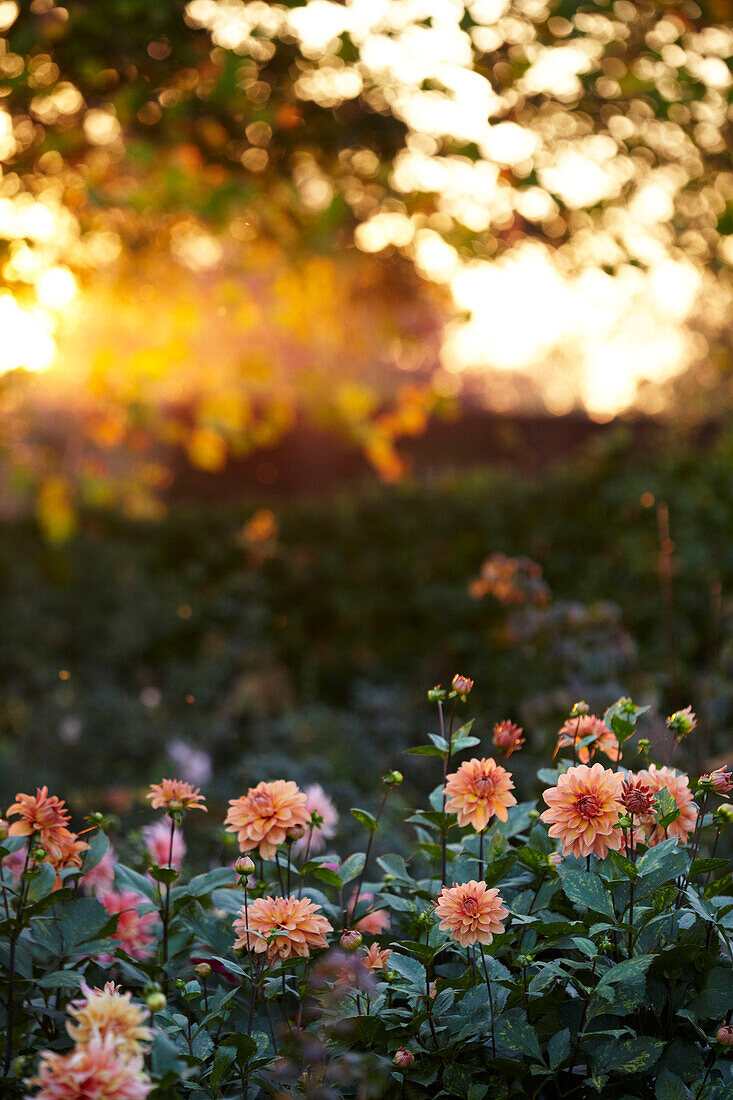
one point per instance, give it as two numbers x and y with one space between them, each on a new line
376 959
108 1014
283 927
70 850
43 814
679 787
477 791
584 810
97 1071
174 794
587 725
471 912
262 817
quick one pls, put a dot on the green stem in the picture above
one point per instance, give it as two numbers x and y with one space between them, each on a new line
360 881
446 765
491 1000
166 906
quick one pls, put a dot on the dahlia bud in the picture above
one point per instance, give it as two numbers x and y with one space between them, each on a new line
245 865
295 832
705 783
437 694
3 828
156 1001
202 970
724 1035
725 812
682 722
351 939
579 709
404 1058
393 778
554 859
721 780
38 853
637 798
534 815
644 745
508 737
461 685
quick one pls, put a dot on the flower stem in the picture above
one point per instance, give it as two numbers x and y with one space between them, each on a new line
446 765
10 1010
491 1000
166 905
360 881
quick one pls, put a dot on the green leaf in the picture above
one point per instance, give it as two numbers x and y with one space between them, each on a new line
530 857
223 1059
669 1087
352 867
61 979
98 848
517 1038
586 888
127 879
325 874
461 743
665 808
395 865
42 882
166 875
706 866
439 742
633 1055
628 970
624 865
409 968
457 1081
716 997
558 1048
364 818
427 750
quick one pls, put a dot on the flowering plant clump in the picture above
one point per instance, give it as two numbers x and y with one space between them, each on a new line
575 945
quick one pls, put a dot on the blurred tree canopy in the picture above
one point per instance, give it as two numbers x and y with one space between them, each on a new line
274 206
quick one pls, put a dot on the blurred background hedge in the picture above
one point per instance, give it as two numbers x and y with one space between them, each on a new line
300 638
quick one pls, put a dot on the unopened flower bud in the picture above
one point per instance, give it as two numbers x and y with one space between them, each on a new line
705 783
3 828
579 709
725 811
156 1001
682 722
245 865
533 815
724 1035
554 859
604 944
202 970
295 832
38 853
437 694
404 1058
351 939
461 684
637 798
721 780
393 778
